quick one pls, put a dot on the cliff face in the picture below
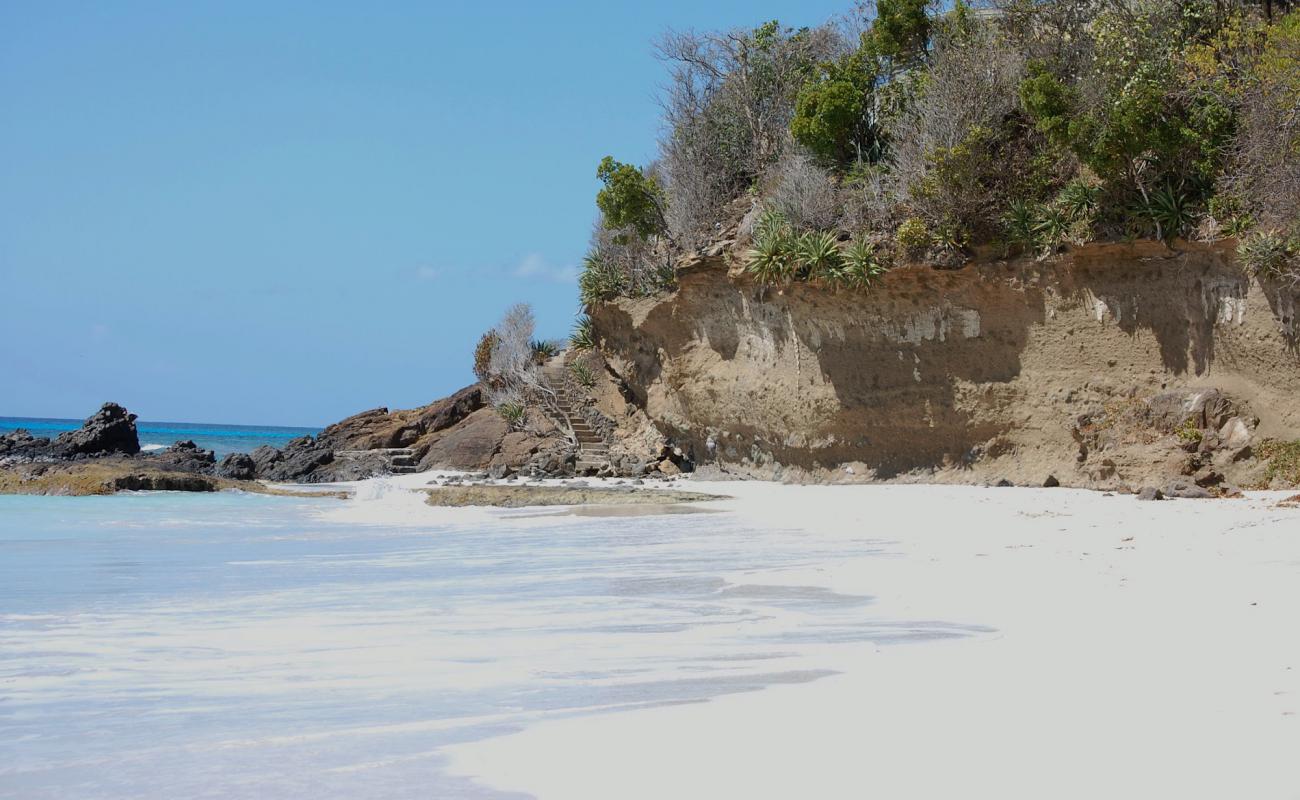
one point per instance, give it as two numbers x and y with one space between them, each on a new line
1011 370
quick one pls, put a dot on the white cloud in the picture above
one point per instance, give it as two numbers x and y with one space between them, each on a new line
428 273
534 266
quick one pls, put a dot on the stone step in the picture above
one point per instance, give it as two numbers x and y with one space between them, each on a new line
409 469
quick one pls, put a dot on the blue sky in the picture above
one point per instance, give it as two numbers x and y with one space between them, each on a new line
288 212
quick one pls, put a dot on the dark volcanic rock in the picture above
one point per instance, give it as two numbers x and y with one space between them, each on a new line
110 430
237 466
20 445
299 458
163 482
265 457
186 456
355 467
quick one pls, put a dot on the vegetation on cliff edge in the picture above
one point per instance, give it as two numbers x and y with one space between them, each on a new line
920 131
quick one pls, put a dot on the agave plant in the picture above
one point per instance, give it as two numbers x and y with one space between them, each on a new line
1078 200
543 349
599 280
1169 211
1051 227
1268 257
583 374
515 414
771 224
1018 225
773 258
583 337
861 266
818 255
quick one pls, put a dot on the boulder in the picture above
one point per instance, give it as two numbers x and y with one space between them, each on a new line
299 458
109 430
667 467
516 450
365 431
451 410
1051 482
1149 493
186 456
1207 408
352 467
264 457
1235 434
237 466
20 445
468 445
1186 490
380 428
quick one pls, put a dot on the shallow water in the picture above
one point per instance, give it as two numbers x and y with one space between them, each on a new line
243 646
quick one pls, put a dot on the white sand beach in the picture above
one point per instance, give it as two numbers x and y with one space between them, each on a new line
792 642
1133 650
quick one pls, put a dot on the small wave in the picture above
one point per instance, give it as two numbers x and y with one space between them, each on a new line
149 448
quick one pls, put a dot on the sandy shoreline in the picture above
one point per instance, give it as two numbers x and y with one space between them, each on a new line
1126 649
899 641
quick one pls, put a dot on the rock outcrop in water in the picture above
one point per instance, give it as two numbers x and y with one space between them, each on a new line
109 430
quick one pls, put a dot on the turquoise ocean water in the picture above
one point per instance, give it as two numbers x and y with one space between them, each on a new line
165 645
221 439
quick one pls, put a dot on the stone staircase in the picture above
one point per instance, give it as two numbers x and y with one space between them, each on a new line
593 452
400 460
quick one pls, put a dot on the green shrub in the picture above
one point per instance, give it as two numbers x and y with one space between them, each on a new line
630 198
1283 460
832 114
1189 432
900 31
913 237
583 337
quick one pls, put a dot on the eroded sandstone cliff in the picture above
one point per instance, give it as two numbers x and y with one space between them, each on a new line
1003 369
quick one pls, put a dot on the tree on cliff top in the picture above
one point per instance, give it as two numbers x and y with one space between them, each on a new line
630 198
